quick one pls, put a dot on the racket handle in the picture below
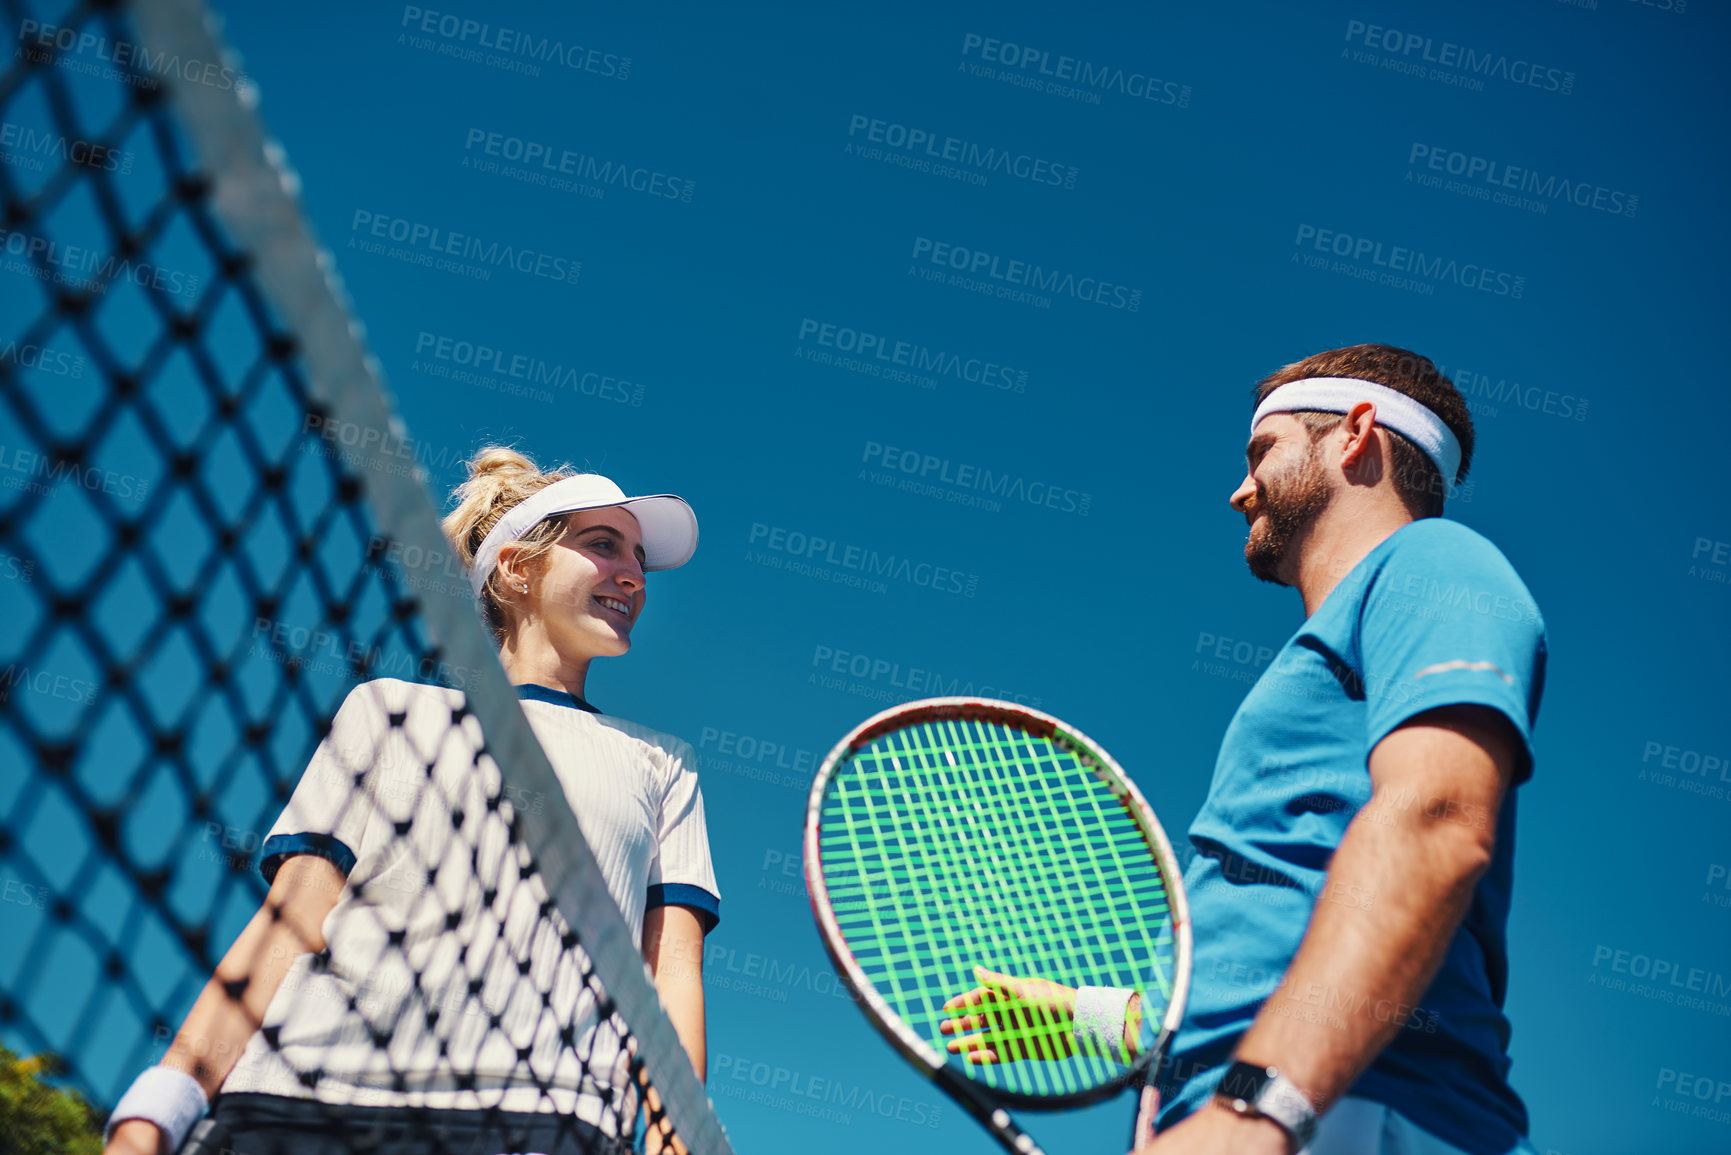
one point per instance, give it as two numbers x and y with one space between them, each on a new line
1147 1108
993 1118
1011 1137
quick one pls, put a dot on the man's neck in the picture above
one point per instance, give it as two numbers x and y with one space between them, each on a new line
1341 538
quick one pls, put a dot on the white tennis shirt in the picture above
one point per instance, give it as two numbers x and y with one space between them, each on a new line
438 942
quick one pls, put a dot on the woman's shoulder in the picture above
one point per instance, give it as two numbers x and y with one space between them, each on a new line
656 743
396 693
398 702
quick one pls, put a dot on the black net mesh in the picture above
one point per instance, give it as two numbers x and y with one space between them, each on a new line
204 626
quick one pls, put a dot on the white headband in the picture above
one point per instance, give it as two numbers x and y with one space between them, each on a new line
1395 410
669 527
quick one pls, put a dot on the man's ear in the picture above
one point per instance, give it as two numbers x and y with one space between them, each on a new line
1359 426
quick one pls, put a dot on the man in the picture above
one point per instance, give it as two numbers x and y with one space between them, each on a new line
1353 859
1353 870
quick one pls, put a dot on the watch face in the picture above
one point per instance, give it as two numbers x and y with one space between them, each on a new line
1245 1081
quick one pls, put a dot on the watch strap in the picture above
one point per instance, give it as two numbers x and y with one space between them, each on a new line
1250 1089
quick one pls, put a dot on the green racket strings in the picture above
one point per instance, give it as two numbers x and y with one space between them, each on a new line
955 843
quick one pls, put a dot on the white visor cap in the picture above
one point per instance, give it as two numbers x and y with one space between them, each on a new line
669 527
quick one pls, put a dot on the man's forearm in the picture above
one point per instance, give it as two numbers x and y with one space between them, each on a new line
1396 891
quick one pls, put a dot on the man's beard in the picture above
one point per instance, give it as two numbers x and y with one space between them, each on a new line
1291 502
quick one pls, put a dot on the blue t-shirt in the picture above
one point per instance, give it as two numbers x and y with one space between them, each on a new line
1433 616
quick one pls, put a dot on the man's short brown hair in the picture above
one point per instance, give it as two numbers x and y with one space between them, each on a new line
1416 478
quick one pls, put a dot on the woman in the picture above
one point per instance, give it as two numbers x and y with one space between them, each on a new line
414 993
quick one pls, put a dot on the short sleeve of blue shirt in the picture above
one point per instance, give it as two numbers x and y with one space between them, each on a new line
1446 621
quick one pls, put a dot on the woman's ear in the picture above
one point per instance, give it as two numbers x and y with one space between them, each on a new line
511 575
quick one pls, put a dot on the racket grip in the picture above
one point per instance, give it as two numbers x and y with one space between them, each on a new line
1147 1108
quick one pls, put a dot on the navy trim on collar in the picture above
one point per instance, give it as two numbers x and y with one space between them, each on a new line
554 697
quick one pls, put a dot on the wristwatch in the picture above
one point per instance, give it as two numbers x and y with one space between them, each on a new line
1264 1092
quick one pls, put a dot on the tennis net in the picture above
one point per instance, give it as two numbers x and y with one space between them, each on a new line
226 587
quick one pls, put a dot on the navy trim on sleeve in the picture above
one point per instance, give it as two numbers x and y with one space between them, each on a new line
529 690
279 847
707 906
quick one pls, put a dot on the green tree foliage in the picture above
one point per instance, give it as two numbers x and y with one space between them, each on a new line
37 1118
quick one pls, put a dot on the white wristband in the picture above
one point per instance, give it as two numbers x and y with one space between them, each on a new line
171 1099
1099 1020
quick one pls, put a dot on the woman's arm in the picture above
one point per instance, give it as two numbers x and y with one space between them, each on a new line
290 923
673 948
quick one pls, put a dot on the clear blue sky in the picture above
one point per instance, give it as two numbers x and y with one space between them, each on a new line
710 341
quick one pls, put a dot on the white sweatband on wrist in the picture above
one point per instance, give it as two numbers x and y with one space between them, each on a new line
171 1099
1394 410
1099 1019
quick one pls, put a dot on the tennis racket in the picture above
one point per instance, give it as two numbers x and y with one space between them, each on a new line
954 833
